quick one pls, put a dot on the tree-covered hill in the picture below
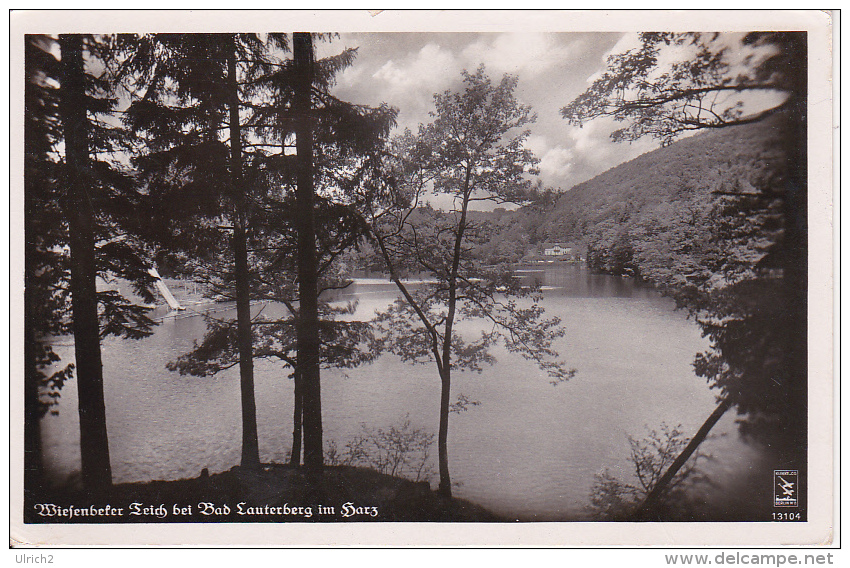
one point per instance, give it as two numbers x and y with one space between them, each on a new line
609 212
688 176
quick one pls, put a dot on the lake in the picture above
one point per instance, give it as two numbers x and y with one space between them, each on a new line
529 451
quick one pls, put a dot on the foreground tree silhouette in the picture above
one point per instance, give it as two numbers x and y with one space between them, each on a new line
334 141
77 196
45 264
94 444
473 151
308 269
245 121
754 314
191 120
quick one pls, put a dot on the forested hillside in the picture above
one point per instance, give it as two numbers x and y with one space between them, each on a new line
616 212
623 212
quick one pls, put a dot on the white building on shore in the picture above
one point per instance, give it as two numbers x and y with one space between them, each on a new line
558 249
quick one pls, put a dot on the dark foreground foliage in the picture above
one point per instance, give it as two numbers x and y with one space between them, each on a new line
613 499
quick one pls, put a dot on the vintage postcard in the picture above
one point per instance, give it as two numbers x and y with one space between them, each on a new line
434 278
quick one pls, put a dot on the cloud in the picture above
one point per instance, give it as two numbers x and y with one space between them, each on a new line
410 82
555 161
593 136
427 68
350 77
524 54
624 44
556 165
538 144
593 152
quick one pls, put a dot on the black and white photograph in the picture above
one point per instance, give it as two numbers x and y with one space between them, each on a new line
461 272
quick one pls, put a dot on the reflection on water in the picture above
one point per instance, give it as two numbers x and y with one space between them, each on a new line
530 450
576 281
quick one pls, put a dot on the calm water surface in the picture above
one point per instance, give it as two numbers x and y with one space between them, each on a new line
530 450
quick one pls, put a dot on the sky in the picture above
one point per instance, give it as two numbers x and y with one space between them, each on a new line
404 70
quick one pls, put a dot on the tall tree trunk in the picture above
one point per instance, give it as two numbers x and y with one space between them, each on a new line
250 439
647 508
94 444
297 421
308 285
445 487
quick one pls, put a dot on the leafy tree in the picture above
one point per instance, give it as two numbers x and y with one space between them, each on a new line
344 344
751 298
609 249
472 151
665 102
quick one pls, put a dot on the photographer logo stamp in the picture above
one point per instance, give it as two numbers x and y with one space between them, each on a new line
785 488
